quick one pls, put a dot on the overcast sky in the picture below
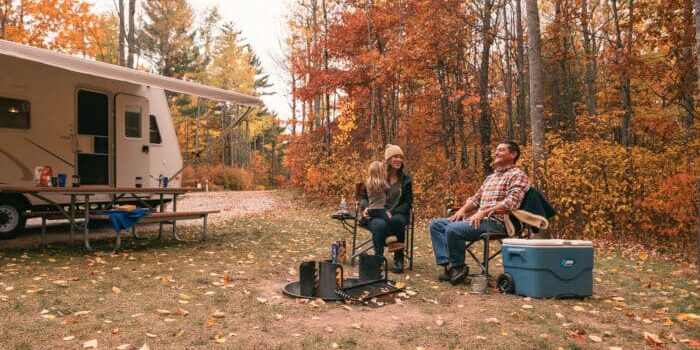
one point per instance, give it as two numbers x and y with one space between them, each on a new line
263 25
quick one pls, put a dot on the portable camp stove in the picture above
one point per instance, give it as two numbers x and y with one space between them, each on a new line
373 287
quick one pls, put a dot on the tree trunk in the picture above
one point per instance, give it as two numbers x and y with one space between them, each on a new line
485 119
520 65
536 91
508 79
696 5
122 34
460 82
294 102
589 49
327 113
447 131
625 96
131 41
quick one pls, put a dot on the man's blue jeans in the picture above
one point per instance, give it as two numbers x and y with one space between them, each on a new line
449 238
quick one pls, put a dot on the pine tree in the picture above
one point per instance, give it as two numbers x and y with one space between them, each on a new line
168 37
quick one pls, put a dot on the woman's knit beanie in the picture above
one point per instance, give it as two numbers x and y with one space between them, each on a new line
391 150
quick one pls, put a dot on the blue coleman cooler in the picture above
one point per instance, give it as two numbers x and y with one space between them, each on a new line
547 268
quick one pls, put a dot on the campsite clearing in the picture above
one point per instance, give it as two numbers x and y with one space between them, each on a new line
226 293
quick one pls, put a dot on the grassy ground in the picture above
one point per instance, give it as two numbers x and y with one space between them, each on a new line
226 293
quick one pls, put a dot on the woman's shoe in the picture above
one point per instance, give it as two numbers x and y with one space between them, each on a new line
398 266
392 247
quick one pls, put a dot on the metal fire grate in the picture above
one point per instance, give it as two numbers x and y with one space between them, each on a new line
371 293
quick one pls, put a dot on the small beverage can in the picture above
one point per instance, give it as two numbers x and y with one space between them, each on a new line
342 251
165 181
334 253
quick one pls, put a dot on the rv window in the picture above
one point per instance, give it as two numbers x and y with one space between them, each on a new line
155 132
14 113
132 124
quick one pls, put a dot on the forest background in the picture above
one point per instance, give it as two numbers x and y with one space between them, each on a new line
602 94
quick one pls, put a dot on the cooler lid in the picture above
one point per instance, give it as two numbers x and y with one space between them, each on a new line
547 242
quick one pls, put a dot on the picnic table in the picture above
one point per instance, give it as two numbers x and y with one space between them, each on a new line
82 195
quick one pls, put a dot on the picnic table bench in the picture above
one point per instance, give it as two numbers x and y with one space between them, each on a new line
82 196
162 217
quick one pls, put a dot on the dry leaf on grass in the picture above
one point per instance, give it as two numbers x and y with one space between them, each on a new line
218 314
145 347
220 340
70 337
492 320
90 344
577 336
652 339
595 338
163 312
439 322
123 347
116 290
182 312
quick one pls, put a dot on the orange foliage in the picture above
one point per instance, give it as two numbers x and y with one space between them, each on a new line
407 73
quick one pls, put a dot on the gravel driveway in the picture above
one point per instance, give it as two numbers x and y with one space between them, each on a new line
230 203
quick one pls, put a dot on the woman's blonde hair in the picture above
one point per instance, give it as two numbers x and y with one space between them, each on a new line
376 178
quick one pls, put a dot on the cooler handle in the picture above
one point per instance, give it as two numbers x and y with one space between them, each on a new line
519 252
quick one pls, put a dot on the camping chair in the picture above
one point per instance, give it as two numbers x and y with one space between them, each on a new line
361 247
519 230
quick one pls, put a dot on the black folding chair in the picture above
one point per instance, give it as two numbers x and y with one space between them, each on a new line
357 222
521 230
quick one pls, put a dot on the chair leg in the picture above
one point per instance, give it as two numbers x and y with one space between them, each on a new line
487 256
410 248
354 254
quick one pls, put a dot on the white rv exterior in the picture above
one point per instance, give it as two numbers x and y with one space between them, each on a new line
106 123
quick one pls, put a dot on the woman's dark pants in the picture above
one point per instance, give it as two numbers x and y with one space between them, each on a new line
382 228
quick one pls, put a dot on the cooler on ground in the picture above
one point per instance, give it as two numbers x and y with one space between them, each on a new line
548 267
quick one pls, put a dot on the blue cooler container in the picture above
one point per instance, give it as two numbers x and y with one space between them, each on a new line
549 267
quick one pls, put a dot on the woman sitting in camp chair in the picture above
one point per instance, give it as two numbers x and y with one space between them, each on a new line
399 199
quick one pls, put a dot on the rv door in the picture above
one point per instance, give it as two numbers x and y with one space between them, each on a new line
132 140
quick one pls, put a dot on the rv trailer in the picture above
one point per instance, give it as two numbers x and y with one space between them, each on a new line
105 123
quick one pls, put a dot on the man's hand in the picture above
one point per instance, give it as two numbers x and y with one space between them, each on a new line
365 213
476 218
388 214
459 215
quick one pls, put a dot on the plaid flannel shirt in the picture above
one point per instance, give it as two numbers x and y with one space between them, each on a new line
506 185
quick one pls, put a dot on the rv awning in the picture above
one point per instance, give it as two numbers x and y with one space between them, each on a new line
110 71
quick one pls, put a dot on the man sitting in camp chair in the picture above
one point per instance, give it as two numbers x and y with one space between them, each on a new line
501 193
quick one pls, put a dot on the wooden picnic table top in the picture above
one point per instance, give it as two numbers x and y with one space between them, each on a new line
96 189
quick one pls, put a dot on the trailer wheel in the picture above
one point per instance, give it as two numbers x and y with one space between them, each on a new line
506 283
12 219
